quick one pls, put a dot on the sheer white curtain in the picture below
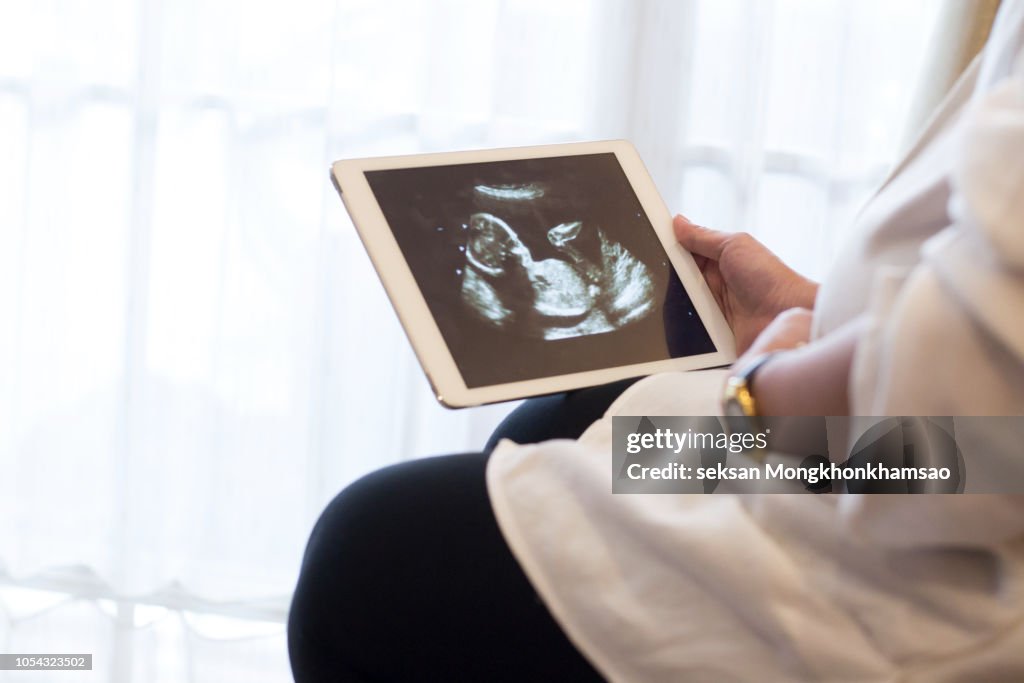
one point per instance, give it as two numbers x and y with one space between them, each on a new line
195 353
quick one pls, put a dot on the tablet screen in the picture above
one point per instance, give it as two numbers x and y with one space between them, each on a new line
539 267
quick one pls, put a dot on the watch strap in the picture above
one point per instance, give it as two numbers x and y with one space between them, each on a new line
739 387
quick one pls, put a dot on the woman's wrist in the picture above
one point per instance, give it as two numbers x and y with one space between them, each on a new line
773 391
803 293
809 380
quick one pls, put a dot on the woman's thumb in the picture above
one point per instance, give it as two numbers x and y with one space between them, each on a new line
697 239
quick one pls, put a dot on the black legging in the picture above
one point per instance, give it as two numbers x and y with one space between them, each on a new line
407 576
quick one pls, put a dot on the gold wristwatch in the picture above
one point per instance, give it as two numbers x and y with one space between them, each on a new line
738 396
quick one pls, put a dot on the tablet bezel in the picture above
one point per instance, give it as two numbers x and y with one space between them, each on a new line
422 330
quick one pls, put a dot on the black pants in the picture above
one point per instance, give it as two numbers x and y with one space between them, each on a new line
407 576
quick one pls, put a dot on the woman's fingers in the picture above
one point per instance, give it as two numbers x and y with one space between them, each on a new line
702 241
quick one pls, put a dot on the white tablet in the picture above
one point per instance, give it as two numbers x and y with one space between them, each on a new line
527 271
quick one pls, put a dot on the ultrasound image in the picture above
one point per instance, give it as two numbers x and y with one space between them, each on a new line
538 267
593 284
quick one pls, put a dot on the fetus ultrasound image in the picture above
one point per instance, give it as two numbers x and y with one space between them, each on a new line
538 267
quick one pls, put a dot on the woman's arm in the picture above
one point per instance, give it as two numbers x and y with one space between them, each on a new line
766 304
811 379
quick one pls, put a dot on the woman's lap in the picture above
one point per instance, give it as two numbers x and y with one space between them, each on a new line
559 416
408 577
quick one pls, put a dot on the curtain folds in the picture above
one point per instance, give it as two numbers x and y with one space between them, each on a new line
962 28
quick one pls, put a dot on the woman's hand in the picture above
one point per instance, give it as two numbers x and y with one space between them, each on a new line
751 285
789 330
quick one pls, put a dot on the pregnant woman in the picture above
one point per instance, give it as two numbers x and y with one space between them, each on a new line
518 564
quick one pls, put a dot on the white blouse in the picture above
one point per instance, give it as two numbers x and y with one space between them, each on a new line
840 588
